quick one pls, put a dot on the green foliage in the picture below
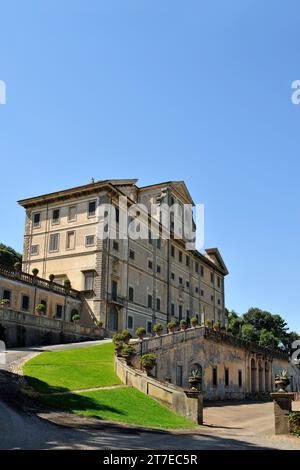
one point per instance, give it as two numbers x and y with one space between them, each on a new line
183 322
35 271
158 327
18 266
249 333
196 373
127 335
128 351
40 308
5 302
8 256
51 277
172 325
268 339
140 332
194 321
294 420
217 325
118 338
148 361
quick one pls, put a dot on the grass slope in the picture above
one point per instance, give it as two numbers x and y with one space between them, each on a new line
90 367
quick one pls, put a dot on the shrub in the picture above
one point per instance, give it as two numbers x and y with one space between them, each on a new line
35 271
5 302
18 266
140 332
127 335
148 361
40 308
208 323
128 351
294 420
217 325
51 277
118 338
172 325
194 321
158 327
76 317
183 322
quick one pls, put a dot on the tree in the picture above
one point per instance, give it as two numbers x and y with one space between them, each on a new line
235 323
8 256
267 339
249 333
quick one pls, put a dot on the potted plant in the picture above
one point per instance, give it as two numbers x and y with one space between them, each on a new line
51 277
208 323
18 266
282 380
172 326
40 309
217 326
194 322
99 325
76 318
183 325
158 329
35 271
127 336
67 284
141 333
148 361
5 303
128 352
195 378
118 340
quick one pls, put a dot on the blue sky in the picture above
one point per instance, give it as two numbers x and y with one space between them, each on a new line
164 90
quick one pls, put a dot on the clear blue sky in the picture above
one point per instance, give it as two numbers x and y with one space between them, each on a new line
161 90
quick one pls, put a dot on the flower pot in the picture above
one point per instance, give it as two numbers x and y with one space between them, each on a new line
282 383
182 328
158 333
171 330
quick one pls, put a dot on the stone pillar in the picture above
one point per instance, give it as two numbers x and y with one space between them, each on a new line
194 405
282 408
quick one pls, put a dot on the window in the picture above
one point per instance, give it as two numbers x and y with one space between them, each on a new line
202 271
197 290
172 251
6 295
158 305
44 302
180 312
188 315
25 302
158 269
149 327
130 294
89 280
202 292
131 254
179 375
54 242
117 215
187 284
187 260
180 280
158 243
130 322
219 302
215 376
59 311
196 267
114 290
70 242
211 277
240 378
149 300
212 298
150 237
34 249
91 208
55 216
71 213
226 377
180 256
173 276
173 310
150 264
37 219
115 245
90 240
219 282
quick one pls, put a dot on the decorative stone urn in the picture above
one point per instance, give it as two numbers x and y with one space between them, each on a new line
282 381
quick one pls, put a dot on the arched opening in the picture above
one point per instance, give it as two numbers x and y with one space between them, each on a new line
113 318
253 375
260 377
267 380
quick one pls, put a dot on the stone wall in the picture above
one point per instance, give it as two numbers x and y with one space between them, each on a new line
174 397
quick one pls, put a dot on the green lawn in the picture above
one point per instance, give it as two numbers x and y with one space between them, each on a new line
126 405
76 369
73 369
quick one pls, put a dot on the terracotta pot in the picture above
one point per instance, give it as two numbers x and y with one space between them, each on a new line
172 330
158 333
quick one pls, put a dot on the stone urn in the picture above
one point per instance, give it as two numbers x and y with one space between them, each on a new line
282 381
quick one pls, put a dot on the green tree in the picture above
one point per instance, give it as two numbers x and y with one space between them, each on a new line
249 333
268 339
8 256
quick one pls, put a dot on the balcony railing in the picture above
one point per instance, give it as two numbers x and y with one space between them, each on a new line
37 281
116 299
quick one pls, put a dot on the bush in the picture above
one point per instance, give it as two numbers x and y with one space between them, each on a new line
127 335
51 277
35 271
148 361
172 324
118 338
194 321
128 351
217 325
18 266
208 323
76 317
294 420
5 302
140 332
40 308
158 327
183 322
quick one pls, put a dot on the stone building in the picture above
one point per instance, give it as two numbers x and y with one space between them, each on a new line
126 282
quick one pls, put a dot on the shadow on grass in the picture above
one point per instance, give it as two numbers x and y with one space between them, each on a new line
43 387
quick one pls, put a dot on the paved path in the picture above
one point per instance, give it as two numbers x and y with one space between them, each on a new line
233 426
